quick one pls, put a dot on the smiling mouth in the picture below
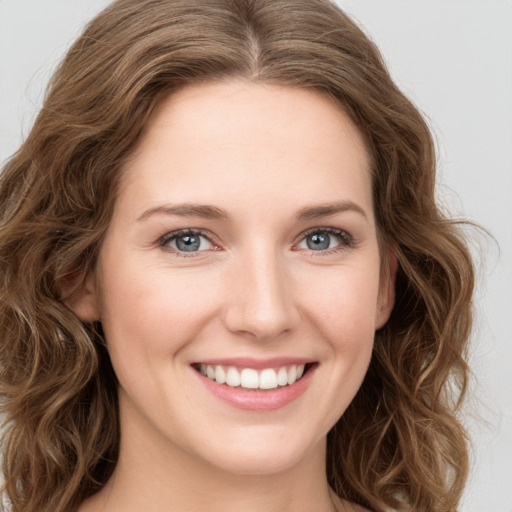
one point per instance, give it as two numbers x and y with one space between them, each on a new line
251 378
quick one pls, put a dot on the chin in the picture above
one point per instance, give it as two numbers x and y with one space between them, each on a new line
260 464
255 453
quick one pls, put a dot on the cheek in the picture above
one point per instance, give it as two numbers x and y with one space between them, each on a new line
343 305
151 312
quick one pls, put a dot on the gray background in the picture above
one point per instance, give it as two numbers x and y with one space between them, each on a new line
454 59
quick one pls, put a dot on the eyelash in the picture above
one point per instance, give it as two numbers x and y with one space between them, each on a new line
169 237
347 240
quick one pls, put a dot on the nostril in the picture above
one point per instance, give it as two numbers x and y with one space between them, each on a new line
262 324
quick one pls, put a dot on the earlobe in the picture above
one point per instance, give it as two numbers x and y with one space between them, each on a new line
82 299
386 299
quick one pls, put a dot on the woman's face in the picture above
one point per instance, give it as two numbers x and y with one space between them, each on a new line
243 246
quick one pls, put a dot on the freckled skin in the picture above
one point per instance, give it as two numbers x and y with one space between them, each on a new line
254 288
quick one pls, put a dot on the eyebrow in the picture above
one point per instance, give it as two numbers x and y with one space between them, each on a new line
325 210
205 211
211 212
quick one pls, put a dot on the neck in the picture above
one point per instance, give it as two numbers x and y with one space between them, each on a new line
154 475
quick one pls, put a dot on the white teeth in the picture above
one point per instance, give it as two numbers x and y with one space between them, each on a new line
268 379
282 377
232 377
220 374
292 374
250 378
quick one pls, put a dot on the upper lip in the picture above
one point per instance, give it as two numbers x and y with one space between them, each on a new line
257 364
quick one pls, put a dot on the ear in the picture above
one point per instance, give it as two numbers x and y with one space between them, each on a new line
82 298
386 298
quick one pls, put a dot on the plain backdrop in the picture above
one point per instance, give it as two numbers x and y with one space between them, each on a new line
454 59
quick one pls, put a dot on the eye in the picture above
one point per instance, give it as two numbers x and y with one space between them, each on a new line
324 239
187 241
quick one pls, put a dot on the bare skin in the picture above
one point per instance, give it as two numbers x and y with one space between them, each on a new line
244 228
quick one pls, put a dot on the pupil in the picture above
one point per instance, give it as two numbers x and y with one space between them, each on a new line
318 242
188 243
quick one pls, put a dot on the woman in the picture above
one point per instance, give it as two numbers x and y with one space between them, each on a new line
225 279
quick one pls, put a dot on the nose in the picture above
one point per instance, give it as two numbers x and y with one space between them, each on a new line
261 302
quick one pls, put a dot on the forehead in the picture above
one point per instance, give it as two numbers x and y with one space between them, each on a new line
242 138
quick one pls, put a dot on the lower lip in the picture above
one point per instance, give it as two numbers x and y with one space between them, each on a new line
258 400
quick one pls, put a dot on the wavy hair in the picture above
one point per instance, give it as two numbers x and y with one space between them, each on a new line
399 445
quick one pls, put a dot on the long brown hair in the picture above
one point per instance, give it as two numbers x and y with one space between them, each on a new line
399 445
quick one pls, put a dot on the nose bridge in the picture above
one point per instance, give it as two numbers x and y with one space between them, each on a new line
261 299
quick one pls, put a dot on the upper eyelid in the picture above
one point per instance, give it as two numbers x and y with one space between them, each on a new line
329 229
186 231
